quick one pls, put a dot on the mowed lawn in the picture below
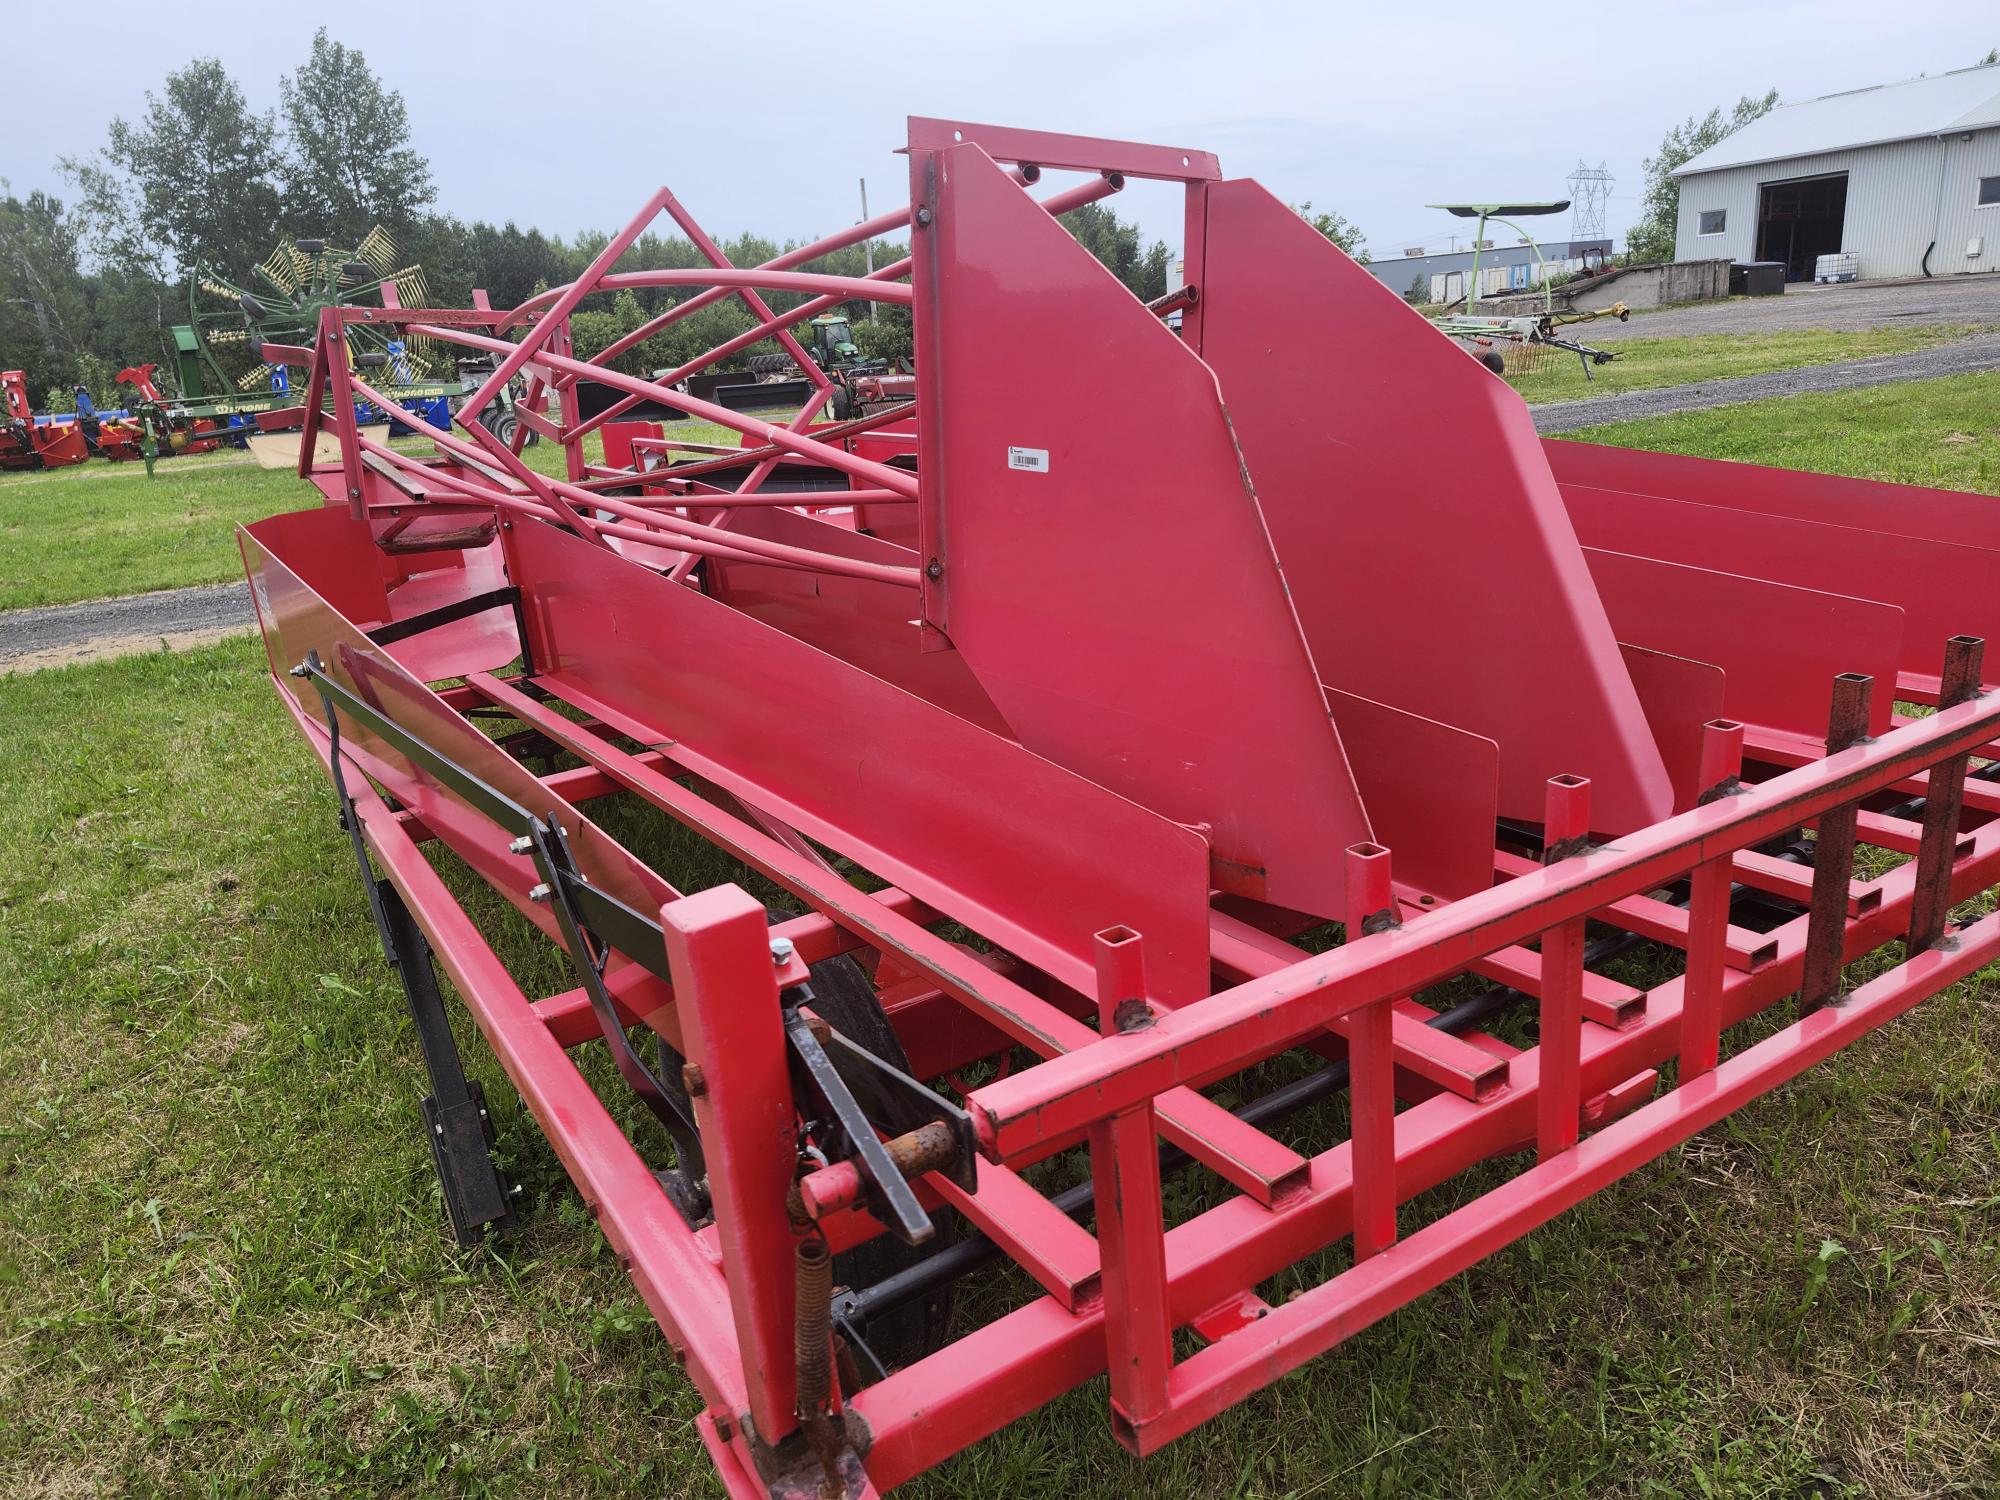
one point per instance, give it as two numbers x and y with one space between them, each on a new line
99 530
223 1268
1645 364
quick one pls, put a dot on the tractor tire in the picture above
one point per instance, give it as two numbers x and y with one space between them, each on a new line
505 426
845 999
1494 360
762 365
842 406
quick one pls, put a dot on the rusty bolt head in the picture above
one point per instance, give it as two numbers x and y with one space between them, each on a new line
924 215
934 570
694 1080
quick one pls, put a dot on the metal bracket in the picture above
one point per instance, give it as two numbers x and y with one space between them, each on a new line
456 1122
592 924
827 1067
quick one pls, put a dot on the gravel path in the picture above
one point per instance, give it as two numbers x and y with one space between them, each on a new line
1973 301
1885 369
31 639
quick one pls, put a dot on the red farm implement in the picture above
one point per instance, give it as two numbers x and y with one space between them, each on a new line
28 444
1072 728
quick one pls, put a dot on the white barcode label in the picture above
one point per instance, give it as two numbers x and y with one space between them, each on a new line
1035 460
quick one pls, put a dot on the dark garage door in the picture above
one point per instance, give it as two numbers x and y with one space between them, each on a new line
1800 220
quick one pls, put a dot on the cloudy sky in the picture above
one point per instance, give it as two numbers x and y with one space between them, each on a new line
564 114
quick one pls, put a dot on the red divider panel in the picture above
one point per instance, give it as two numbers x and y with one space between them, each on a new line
1780 646
1421 533
1033 856
1100 560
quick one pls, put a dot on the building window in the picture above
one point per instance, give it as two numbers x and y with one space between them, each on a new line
1989 192
1713 221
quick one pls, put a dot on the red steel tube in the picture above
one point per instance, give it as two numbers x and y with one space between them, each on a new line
1063 1094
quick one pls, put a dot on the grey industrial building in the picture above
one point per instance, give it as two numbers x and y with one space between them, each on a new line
1905 176
1507 266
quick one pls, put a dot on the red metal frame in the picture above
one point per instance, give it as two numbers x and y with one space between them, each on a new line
1135 691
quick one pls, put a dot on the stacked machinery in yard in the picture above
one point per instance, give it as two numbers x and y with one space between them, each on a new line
292 287
1072 728
27 442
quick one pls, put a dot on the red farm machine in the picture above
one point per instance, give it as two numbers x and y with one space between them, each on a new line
1102 749
27 442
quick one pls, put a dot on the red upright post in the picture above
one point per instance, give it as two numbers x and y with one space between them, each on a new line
726 989
1708 910
1131 1228
1559 1098
1371 908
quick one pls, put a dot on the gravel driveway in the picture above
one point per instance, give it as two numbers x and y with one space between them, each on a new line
1849 308
31 639
1885 369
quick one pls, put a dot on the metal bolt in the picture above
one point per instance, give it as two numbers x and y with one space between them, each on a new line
539 892
354 494
923 215
694 1080
521 845
298 671
782 949
934 570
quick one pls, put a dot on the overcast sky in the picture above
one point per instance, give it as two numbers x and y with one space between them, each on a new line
763 116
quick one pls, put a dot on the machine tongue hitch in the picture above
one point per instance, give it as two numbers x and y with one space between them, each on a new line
1103 740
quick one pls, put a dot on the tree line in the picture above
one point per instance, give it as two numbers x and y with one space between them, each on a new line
200 181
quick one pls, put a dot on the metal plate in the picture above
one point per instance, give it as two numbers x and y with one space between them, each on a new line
1422 536
1036 858
1105 571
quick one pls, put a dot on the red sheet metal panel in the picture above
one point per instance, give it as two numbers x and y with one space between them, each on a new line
1865 504
1779 645
869 624
1116 596
1944 589
1422 536
1679 696
296 618
1432 793
1037 858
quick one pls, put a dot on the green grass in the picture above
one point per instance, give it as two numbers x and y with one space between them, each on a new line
1646 364
1944 433
223 1269
99 530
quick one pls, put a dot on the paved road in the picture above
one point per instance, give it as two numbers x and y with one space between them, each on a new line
1885 369
1969 300
34 638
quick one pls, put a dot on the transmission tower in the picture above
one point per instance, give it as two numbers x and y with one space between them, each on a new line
1589 191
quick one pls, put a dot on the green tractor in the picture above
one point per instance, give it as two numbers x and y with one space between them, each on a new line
858 381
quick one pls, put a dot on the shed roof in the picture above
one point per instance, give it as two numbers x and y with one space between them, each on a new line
1968 99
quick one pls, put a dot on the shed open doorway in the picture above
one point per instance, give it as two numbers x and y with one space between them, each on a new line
1801 219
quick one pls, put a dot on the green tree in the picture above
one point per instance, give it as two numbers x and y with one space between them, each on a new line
194 181
1116 243
349 162
45 323
1336 227
1652 238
